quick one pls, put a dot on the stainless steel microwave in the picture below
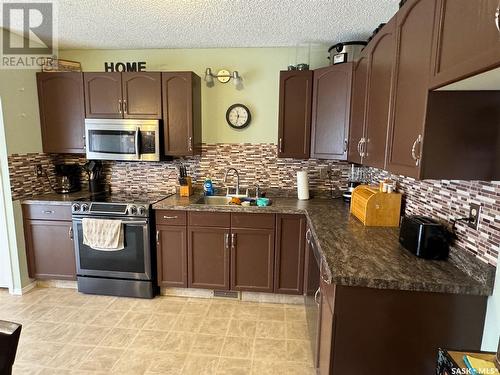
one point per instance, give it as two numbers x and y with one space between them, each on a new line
122 139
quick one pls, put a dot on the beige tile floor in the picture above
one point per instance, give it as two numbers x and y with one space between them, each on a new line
65 332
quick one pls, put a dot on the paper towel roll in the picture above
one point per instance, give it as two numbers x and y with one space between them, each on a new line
302 185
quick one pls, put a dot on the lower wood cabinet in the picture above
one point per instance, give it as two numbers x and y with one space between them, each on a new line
171 256
290 250
252 259
208 257
49 244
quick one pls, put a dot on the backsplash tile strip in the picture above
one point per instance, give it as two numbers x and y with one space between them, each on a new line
258 164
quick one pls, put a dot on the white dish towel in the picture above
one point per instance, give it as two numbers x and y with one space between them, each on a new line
102 234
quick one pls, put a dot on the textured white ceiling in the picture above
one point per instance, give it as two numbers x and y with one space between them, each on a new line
124 24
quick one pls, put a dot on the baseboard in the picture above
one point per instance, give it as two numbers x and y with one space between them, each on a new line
63 284
26 289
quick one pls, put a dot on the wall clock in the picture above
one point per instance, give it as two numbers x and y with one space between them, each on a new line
238 116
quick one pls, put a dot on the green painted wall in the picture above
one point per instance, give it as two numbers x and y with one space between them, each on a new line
259 68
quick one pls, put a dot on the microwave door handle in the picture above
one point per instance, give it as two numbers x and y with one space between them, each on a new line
137 151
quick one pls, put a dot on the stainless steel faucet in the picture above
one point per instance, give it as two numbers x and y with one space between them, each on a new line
237 179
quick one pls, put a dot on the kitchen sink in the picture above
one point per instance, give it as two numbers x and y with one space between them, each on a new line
213 201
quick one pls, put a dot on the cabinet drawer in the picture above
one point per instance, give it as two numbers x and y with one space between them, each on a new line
46 212
210 219
168 217
257 221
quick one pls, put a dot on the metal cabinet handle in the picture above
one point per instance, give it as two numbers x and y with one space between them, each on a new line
125 106
157 236
316 296
170 217
226 241
137 143
70 233
48 212
359 147
120 106
280 144
233 241
497 17
190 143
308 235
345 145
414 150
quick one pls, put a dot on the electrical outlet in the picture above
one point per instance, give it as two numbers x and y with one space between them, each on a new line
38 170
474 213
324 171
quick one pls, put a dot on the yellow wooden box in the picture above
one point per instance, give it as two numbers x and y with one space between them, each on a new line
374 208
186 190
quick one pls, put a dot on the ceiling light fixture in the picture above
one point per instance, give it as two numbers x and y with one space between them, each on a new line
223 76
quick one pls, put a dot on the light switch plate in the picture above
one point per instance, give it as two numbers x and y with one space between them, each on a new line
474 213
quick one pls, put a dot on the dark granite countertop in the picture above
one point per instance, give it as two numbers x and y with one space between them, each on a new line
56 199
366 256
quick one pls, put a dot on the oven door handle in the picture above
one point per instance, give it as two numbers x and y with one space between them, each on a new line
126 222
137 151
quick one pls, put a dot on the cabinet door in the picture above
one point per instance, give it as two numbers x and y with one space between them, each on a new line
141 95
103 95
50 249
294 122
62 112
208 257
252 259
358 108
331 111
171 250
290 250
467 39
381 64
181 113
414 31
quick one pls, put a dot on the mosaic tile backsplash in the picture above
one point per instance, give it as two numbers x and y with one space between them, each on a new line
258 164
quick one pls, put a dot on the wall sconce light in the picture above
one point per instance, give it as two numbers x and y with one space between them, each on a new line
223 76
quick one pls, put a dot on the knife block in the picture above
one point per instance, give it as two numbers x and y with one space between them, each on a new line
497 357
186 190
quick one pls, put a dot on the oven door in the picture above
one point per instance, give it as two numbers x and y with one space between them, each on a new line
133 262
132 140
312 295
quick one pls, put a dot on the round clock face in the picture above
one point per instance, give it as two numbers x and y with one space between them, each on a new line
238 116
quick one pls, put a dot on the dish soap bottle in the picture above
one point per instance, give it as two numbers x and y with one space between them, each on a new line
208 187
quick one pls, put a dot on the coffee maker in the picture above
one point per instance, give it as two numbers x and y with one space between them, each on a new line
67 178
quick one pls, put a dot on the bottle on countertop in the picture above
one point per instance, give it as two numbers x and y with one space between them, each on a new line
208 187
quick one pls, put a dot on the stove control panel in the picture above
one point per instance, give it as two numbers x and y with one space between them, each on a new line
109 209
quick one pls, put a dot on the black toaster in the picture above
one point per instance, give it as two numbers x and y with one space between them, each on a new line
425 237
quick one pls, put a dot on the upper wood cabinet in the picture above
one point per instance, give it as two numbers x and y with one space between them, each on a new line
181 113
103 95
414 33
358 108
62 112
290 250
294 122
141 95
467 40
381 58
331 108
123 95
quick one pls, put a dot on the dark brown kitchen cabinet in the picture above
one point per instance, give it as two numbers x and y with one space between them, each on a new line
62 112
141 95
294 121
290 250
123 95
466 41
358 108
381 59
414 33
331 109
252 259
171 250
208 257
181 113
103 95
49 242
